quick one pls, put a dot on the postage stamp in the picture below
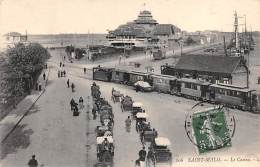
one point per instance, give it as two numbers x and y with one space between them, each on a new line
211 128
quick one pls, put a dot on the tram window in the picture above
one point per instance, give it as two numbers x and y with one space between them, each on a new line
117 73
188 85
230 93
159 80
221 91
195 87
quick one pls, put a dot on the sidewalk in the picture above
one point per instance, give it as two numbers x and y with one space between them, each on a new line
9 123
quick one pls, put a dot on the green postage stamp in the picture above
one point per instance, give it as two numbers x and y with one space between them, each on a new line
210 129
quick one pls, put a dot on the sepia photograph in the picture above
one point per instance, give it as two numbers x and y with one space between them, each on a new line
129 83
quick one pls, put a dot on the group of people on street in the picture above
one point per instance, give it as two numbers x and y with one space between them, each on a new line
62 71
143 156
75 107
72 85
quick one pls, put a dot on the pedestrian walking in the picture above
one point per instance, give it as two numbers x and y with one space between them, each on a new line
64 72
128 121
63 65
44 76
142 154
33 162
81 106
85 70
68 83
72 104
40 86
76 110
36 85
120 57
128 124
60 64
72 87
94 113
58 73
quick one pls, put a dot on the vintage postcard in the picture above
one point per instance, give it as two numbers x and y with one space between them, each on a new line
130 83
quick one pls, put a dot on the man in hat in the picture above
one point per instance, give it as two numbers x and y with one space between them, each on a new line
33 162
68 83
142 154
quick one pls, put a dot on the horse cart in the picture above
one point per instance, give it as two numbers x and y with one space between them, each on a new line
116 95
126 103
105 151
106 119
102 103
140 121
147 134
95 91
159 153
137 107
103 131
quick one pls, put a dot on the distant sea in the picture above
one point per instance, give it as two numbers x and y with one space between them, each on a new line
78 40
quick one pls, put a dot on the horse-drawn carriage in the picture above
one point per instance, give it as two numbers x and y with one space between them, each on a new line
105 151
103 131
159 152
107 116
95 91
137 107
100 103
141 119
116 95
126 103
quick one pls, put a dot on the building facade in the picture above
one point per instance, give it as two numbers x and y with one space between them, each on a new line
215 69
143 32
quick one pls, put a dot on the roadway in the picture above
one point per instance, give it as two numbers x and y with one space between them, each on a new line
59 139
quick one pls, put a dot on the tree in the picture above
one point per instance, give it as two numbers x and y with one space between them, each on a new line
69 50
189 41
24 65
79 53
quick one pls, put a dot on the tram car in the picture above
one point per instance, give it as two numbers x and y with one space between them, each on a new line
102 74
164 83
138 76
120 76
234 96
193 88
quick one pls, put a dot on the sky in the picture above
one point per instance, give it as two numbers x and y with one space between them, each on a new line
98 16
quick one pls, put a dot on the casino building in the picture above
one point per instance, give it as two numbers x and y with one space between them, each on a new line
144 32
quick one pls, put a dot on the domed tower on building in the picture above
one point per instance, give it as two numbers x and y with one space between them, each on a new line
145 19
142 33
